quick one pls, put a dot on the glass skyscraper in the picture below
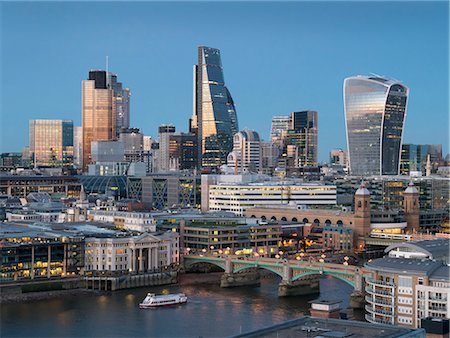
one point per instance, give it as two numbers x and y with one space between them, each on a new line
51 142
214 117
375 110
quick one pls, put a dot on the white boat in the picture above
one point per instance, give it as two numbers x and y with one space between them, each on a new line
162 300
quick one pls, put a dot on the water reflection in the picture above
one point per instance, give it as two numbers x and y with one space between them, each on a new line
210 312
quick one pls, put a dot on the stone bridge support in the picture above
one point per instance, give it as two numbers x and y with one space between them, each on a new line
244 278
307 285
357 300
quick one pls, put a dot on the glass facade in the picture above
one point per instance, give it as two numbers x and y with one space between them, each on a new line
51 142
414 157
375 110
98 112
214 119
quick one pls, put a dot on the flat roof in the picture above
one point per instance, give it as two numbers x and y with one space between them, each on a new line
328 327
420 267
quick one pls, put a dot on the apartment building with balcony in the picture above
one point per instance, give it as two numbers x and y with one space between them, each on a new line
410 283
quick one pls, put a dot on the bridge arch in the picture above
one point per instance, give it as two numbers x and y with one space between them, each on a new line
189 263
316 221
273 218
263 218
339 222
336 275
284 219
305 220
252 216
278 273
327 222
294 219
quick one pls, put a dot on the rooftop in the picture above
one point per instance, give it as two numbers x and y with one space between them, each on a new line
420 267
327 327
436 248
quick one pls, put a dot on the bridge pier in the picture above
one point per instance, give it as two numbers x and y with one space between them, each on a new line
357 299
306 286
245 278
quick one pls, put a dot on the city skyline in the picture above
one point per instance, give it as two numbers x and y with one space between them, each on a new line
261 87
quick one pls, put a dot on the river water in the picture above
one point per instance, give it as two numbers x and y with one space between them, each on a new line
211 311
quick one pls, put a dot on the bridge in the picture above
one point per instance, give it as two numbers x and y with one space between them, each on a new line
297 277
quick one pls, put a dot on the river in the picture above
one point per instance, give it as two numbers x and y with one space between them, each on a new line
211 311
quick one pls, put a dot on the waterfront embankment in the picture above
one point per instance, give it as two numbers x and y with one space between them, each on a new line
6 298
17 295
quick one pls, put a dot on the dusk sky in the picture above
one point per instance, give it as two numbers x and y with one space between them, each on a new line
277 58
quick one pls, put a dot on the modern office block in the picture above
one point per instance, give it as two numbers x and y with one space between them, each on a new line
246 154
375 110
214 117
51 142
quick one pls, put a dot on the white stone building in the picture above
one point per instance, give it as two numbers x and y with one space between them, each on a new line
246 154
136 254
134 221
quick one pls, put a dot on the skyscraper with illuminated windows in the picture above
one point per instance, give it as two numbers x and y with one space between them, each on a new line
375 109
51 142
214 119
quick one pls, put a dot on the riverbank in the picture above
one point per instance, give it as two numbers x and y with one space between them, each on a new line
42 295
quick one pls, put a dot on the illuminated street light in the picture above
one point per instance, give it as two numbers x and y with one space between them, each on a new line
277 256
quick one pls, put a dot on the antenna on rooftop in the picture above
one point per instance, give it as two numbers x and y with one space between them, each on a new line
107 72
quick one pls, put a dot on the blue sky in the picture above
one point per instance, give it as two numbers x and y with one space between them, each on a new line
278 57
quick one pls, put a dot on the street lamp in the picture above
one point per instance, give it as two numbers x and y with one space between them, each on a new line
346 260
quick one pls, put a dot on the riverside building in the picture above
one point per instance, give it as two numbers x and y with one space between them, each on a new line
410 283
135 254
215 232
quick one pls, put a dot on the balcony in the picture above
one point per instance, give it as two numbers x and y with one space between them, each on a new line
436 299
438 308
379 301
378 311
378 292
375 320
379 282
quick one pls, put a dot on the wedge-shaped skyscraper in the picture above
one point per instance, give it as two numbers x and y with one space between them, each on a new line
375 110
214 117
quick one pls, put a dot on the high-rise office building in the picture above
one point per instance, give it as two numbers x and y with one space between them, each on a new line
183 151
414 157
280 124
98 112
51 142
375 109
214 117
78 146
338 157
303 135
246 154
122 101
165 131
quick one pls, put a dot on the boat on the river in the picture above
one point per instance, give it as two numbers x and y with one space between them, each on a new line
162 300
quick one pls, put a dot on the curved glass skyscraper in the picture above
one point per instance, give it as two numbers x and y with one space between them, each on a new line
375 110
214 118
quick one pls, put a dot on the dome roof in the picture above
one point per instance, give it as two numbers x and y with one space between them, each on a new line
362 190
411 189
